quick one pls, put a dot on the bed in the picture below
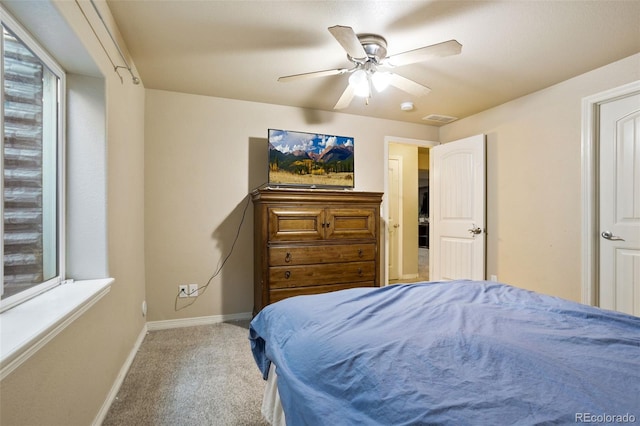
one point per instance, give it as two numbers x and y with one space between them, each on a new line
456 352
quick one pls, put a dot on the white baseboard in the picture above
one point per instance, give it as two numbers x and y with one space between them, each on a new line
189 322
410 277
115 388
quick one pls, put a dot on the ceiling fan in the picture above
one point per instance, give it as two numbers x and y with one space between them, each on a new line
368 53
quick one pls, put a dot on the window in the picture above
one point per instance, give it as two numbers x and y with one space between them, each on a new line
32 165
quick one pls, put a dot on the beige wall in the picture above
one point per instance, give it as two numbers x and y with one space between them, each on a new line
68 380
203 156
409 155
534 180
423 159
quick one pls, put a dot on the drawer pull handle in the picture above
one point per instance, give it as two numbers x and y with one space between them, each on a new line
287 274
360 271
360 254
287 258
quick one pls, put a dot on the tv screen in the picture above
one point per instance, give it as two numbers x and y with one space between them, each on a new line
310 159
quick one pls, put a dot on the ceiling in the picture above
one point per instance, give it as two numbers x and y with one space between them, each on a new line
238 49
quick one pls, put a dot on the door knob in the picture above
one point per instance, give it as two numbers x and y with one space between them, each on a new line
475 230
608 235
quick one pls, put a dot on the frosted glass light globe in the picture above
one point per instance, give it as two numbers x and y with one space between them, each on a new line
360 83
380 80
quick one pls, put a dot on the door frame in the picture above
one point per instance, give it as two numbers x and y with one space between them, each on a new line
590 179
399 218
422 143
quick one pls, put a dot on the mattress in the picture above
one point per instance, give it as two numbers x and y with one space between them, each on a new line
271 406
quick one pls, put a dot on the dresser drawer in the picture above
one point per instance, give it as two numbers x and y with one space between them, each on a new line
276 295
323 274
308 255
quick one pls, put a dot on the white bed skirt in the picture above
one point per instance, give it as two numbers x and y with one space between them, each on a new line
271 406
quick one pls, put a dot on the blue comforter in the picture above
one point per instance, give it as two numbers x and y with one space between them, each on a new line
460 353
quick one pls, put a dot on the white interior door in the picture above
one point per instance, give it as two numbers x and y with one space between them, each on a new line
457 204
393 221
619 209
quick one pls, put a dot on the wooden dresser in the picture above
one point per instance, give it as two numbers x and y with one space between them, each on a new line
310 241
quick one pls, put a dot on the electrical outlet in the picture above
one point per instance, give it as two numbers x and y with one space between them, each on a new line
193 290
494 278
183 291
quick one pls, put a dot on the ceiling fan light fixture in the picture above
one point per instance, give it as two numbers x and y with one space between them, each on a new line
380 80
367 52
360 82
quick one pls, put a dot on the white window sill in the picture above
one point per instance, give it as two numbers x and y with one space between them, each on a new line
29 326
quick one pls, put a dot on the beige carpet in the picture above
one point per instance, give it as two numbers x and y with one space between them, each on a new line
203 375
423 264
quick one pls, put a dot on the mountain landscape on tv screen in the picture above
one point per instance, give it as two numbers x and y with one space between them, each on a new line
297 158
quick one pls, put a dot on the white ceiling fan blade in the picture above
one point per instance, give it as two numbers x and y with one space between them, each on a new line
407 85
349 41
346 98
446 48
313 74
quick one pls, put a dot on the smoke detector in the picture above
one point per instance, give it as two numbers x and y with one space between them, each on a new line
406 106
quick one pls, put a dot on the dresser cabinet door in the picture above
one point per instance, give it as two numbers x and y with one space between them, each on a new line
296 224
346 223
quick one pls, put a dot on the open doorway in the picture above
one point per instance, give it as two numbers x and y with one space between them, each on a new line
404 211
423 214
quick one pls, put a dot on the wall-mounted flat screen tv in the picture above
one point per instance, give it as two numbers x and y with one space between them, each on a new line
310 160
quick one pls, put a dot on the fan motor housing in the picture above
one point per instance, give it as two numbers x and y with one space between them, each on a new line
375 46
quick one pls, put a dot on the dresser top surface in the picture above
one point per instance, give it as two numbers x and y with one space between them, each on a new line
313 194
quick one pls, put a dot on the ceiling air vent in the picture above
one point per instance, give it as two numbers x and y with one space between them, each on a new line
440 118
